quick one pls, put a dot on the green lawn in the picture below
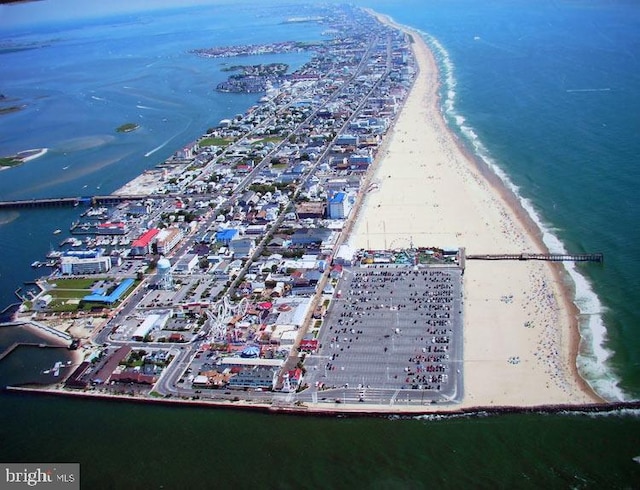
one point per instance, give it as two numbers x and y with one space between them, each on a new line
73 283
214 142
271 139
77 288
70 293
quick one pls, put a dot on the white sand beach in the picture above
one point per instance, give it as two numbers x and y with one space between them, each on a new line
520 327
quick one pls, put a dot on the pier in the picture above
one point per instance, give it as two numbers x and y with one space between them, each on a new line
15 345
42 203
69 201
586 257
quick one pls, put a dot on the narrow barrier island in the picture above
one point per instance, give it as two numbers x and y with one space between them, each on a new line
309 255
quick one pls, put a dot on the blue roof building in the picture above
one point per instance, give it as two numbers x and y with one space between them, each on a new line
225 236
339 206
113 297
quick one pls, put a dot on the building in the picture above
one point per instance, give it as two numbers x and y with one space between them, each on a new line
186 264
79 266
340 205
101 296
167 239
42 302
142 245
345 255
225 236
252 372
242 248
347 140
360 161
256 377
103 374
151 322
307 236
310 209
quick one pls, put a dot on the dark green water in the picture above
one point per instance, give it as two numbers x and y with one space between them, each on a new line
125 445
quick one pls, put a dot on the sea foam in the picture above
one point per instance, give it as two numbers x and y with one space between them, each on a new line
593 357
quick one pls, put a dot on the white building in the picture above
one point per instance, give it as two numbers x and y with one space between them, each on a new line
151 322
42 302
340 205
186 264
242 247
167 239
77 265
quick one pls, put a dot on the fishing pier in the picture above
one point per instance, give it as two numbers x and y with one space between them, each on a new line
587 257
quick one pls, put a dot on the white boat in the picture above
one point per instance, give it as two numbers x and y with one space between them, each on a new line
56 368
58 231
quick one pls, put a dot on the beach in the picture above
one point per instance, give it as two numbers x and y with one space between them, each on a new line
520 325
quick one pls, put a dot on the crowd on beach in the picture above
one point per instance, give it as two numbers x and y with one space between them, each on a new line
545 309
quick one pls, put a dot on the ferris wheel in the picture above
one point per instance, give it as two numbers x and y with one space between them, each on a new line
221 314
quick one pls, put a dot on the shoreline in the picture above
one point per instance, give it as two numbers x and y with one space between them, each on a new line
560 282
344 410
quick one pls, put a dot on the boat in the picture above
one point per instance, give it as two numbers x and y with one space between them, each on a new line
56 368
57 232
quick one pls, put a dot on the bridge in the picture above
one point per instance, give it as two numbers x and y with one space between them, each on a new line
586 257
70 201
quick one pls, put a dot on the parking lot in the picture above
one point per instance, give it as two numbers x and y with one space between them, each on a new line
391 334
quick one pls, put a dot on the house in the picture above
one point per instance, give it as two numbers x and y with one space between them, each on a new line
225 236
242 248
311 209
307 236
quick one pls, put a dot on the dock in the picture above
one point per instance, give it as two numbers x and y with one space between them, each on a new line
15 345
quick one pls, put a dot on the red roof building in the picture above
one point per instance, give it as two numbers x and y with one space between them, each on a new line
142 245
309 345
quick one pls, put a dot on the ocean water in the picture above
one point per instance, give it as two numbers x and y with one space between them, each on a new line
545 92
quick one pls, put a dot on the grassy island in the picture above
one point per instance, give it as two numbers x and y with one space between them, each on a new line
127 128
9 161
